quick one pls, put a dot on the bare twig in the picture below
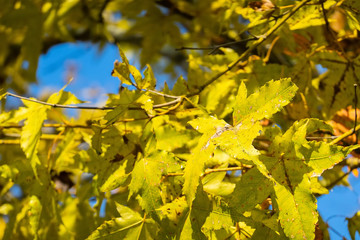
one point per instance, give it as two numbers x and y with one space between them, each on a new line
58 105
177 99
161 94
209 170
336 232
59 125
331 185
216 47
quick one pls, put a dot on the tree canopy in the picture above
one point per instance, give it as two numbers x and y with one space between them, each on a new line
263 121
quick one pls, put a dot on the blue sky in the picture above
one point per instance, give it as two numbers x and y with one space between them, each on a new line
92 80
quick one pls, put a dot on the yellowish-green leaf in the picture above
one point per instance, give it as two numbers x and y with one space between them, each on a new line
35 209
219 219
197 215
149 79
115 179
130 225
31 132
354 225
195 166
146 178
96 139
263 104
297 212
252 189
63 97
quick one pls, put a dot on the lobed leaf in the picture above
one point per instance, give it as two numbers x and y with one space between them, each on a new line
31 132
264 103
130 225
146 177
252 189
297 211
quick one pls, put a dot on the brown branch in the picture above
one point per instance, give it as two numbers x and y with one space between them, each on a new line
216 47
331 185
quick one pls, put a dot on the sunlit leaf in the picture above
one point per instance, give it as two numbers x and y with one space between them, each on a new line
274 95
35 209
146 178
130 225
297 211
31 132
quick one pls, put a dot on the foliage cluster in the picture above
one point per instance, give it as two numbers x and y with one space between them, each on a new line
238 148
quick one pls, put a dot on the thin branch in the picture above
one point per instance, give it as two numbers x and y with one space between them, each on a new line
209 170
252 47
58 105
321 138
9 141
331 185
177 99
213 170
161 94
336 232
345 135
216 47
334 216
59 125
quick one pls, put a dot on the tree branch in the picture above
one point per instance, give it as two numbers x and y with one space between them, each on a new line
177 99
208 171
216 47
258 42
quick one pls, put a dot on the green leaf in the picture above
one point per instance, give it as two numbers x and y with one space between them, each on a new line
297 212
354 225
65 152
199 211
323 156
115 179
121 70
96 139
252 189
264 103
214 184
172 215
195 166
63 97
35 209
31 132
149 81
130 225
218 219
114 115
237 141
290 155
146 178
